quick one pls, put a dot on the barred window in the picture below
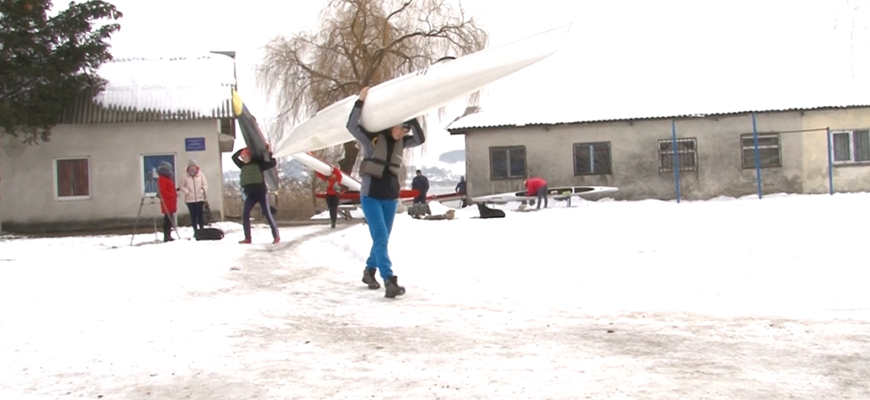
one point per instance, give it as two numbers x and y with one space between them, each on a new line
687 154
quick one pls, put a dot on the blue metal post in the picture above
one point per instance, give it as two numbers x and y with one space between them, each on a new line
830 162
676 158
757 157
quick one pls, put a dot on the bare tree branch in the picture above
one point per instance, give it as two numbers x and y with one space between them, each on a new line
362 43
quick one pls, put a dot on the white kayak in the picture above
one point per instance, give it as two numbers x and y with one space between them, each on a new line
409 96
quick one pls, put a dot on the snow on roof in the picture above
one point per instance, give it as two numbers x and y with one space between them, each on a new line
199 83
540 106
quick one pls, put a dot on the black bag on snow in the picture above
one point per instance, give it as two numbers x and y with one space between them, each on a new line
209 234
486 212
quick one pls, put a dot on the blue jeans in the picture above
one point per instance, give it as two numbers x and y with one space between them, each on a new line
379 217
542 197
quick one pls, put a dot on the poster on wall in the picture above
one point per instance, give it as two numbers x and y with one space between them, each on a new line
149 169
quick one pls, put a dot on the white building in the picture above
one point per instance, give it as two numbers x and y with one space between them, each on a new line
98 165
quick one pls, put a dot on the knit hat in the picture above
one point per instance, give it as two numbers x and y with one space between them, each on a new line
165 169
191 163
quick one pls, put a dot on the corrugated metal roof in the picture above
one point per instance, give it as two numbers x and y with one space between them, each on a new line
504 119
159 89
88 111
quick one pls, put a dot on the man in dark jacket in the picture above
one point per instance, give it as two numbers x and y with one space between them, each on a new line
461 189
421 185
254 186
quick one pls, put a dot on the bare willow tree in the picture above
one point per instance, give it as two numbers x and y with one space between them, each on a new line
361 43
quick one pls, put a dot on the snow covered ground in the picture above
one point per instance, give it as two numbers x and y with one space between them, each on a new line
613 300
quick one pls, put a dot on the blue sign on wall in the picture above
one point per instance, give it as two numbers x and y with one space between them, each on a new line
194 144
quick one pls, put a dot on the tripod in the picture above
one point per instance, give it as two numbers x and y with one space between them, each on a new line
154 219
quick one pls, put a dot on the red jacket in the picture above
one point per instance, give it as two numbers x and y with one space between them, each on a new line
533 185
168 195
332 182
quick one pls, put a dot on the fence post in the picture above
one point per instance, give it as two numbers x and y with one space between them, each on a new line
757 157
830 162
676 158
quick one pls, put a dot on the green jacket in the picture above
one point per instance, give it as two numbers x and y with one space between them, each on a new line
251 175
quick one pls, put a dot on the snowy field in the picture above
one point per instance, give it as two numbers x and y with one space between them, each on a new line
724 299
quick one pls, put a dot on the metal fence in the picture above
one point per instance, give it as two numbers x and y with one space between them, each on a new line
682 152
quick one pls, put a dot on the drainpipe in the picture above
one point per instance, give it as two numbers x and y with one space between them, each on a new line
830 162
676 158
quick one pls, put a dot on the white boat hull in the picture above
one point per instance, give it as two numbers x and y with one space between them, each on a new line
325 169
557 193
417 93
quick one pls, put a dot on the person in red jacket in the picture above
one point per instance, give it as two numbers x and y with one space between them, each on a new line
537 187
168 199
333 191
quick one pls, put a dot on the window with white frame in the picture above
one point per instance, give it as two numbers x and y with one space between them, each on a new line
592 159
851 146
149 171
72 178
769 153
687 154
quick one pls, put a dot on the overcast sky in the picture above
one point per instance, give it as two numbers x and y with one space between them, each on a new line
628 54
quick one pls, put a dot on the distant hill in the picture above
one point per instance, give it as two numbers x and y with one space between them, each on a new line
452 157
439 175
444 173
292 169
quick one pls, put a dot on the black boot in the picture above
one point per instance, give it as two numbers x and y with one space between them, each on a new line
167 229
392 287
369 278
167 235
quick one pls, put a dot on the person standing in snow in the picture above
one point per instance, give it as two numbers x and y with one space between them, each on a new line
421 185
168 198
461 189
194 187
254 186
379 194
333 191
537 187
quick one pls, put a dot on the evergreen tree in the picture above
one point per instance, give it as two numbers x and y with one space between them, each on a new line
46 62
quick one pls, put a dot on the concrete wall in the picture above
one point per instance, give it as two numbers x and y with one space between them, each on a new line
115 151
847 177
635 170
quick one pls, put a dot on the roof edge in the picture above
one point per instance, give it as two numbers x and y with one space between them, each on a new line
462 130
